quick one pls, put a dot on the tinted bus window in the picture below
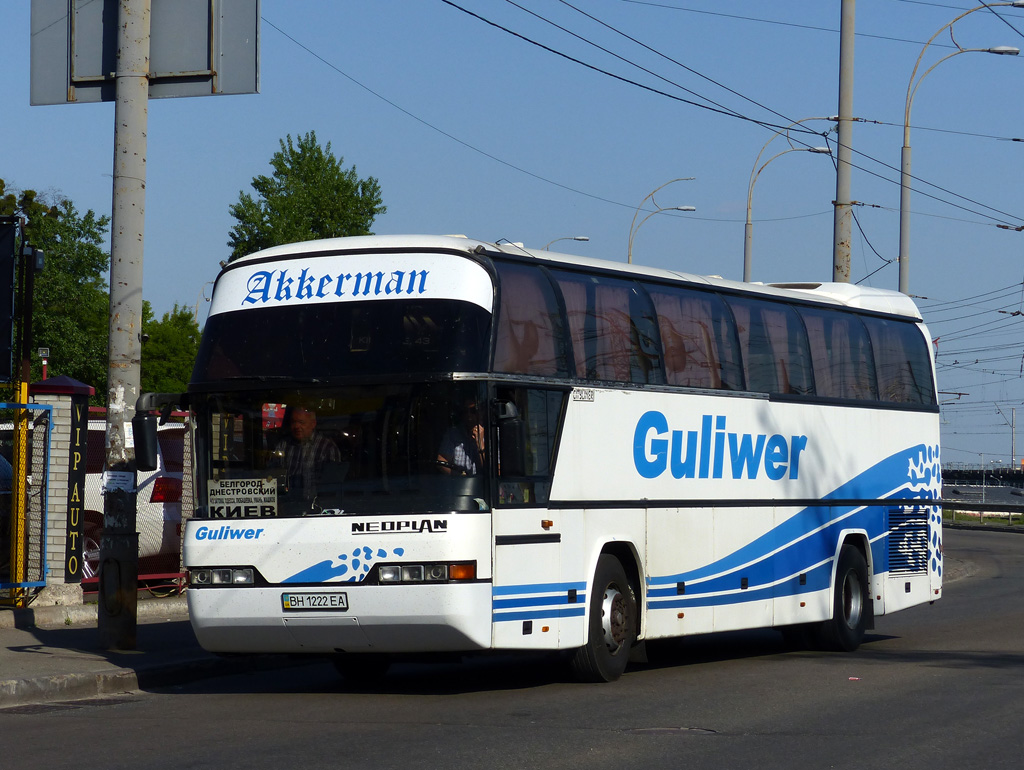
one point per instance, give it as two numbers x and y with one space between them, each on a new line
699 339
841 354
613 329
773 344
901 361
529 326
344 339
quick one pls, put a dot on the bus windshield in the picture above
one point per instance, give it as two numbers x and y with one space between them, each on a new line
343 450
344 339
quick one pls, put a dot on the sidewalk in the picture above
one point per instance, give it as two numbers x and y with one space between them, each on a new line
52 653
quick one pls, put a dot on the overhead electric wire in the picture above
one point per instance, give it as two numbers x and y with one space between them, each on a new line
677 63
440 130
627 61
721 111
568 188
776 22
1004 20
1007 217
980 296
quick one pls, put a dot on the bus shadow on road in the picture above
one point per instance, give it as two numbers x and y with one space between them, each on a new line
733 645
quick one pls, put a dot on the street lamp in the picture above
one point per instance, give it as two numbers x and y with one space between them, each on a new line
202 297
748 230
567 238
633 227
1003 50
659 210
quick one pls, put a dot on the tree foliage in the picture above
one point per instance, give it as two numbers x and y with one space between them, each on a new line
169 348
70 314
308 196
71 302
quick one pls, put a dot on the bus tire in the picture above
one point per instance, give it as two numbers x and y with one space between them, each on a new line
612 625
362 670
845 631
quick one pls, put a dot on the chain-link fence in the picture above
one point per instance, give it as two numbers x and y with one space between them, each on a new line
23 537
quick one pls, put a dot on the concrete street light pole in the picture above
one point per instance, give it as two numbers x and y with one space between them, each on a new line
659 210
119 544
748 230
633 227
843 215
567 238
905 175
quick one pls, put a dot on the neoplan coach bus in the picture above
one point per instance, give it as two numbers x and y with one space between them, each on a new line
519 450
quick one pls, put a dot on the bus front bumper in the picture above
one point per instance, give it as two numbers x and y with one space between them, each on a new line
343 618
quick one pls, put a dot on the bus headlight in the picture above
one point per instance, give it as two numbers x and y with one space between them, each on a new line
222 576
426 573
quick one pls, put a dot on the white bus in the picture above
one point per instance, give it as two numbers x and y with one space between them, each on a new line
414 444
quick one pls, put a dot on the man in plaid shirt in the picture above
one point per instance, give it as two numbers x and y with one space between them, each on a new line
305 453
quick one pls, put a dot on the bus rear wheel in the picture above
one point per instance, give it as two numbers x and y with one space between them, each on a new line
611 625
850 599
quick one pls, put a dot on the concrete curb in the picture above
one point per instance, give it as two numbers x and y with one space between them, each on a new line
14 692
70 687
149 610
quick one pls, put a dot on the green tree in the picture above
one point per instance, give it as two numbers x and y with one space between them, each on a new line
308 196
70 314
169 348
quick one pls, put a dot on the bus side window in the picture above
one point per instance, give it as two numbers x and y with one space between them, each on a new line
698 338
773 343
901 362
528 422
612 328
840 354
529 324
647 360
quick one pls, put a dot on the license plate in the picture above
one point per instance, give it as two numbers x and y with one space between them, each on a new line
314 601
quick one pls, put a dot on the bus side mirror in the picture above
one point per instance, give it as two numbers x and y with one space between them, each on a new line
511 439
144 430
162 402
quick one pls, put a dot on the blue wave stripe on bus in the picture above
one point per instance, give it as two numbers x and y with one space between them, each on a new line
874 483
809 537
818 579
797 557
536 601
538 588
567 612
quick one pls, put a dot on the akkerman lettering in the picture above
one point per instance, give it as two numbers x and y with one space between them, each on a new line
284 285
702 454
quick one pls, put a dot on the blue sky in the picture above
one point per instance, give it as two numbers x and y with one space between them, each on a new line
472 129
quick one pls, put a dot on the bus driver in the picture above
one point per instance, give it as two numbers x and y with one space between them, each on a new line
462 448
305 453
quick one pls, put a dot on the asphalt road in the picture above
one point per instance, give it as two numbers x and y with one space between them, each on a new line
933 687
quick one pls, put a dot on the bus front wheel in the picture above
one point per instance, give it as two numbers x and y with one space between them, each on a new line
611 625
845 631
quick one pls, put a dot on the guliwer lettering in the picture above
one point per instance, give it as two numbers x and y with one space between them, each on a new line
227 532
701 454
284 286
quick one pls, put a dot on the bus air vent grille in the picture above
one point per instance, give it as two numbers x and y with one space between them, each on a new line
908 540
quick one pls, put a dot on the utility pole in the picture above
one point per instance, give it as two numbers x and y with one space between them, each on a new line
119 545
843 206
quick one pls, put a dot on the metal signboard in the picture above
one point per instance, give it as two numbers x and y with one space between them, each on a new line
197 48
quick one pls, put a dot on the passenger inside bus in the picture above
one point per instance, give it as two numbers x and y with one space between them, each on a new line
462 448
305 453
